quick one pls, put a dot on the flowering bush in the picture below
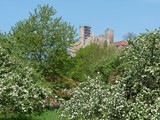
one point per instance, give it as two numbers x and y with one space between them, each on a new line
142 77
136 94
143 57
146 106
86 101
20 91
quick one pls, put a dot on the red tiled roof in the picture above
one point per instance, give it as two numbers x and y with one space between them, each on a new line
122 43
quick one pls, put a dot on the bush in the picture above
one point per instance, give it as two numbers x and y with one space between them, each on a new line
20 88
143 57
141 79
86 101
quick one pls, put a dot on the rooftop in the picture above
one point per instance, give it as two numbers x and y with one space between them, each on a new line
121 43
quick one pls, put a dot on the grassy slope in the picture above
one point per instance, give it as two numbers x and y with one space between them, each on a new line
48 115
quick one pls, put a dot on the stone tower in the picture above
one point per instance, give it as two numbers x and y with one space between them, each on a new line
85 32
109 36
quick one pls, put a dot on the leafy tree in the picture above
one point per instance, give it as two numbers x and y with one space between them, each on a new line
44 39
93 59
83 60
20 88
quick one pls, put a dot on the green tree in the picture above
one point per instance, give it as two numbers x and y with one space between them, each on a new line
44 39
93 59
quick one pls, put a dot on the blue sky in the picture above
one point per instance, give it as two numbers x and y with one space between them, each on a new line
122 16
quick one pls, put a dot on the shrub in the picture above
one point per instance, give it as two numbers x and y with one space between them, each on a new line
142 55
94 100
20 89
86 101
142 78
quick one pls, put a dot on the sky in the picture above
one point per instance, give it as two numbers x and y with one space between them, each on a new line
122 16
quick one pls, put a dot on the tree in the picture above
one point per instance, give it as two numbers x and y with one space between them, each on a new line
129 35
95 58
141 79
44 39
143 56
20 88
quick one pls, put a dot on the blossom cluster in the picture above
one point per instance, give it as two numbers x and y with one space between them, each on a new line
20 91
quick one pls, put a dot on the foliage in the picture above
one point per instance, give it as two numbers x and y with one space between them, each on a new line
143 57
92 59
83 60
1 35
94 100
20 88
87 101
110 66
44 39
136 94
61 86
141 79
47 115
3 39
